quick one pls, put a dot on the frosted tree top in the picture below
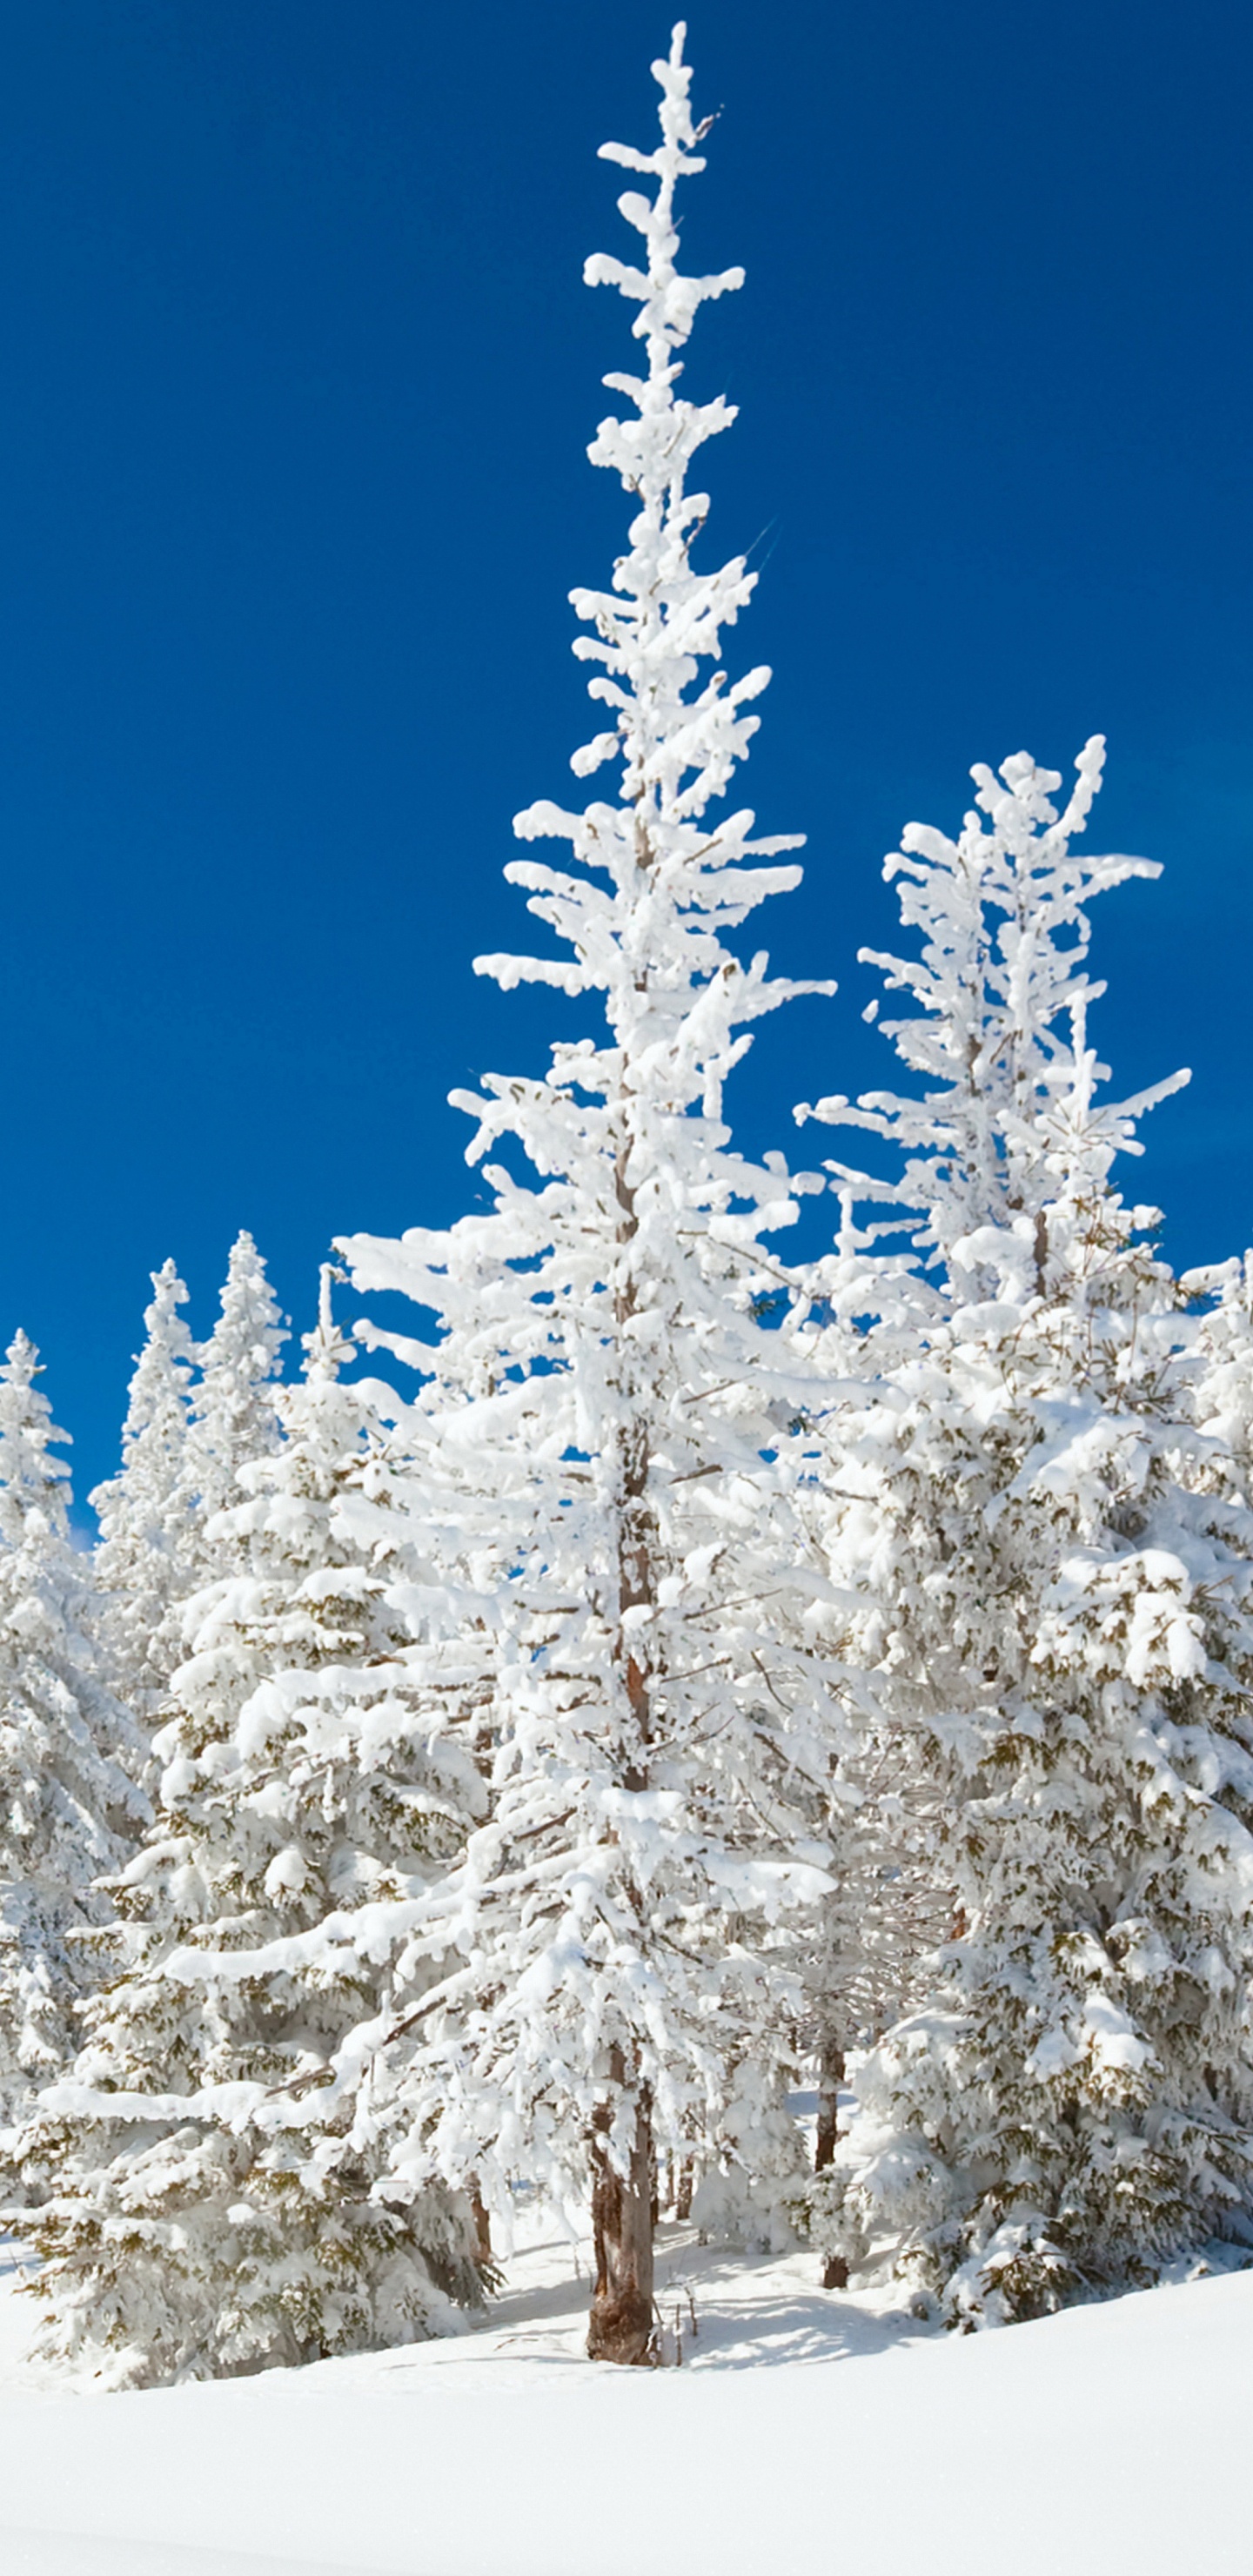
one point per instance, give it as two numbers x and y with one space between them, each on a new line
1008 1119
676 882
660 616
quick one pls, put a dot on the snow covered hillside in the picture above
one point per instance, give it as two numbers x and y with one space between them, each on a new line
801 2424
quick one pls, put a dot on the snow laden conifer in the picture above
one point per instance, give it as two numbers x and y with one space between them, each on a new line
1057 1586
858 1954
1222 1364
1003 993
184 2232
147 1535
69 1807
613 1619
1007 1121
234 1416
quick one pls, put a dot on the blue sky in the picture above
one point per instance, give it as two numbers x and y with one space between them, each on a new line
296 379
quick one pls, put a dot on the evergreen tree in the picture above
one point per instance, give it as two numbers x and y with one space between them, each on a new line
69 1807
143 1562
611 1619
185 2233
857 1956
1007 1117
1057 1587
1222 1365
234 1414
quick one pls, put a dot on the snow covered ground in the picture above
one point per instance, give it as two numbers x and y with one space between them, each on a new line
802 2424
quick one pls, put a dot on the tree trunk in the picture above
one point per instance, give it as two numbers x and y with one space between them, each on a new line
622 2326
830 2077
482 2227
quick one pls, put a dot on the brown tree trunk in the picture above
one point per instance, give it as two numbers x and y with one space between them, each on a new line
830 2077
622 2325
683 2192
482 2227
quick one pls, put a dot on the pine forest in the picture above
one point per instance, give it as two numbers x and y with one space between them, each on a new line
700 1739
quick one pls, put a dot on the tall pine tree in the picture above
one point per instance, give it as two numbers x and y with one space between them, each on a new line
612 1620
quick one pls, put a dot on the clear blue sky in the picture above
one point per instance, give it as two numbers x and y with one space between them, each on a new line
296 378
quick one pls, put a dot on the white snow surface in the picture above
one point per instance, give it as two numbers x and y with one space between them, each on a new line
802 2423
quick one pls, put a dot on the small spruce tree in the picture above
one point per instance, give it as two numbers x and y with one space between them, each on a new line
144 1560
198 2219
234 1413
1221 1365
70 1809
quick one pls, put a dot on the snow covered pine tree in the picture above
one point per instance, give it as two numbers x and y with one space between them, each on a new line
143 1564
184 2235
612 1621
234 1416
181 1455
1058 1583
1222 1362
69 1808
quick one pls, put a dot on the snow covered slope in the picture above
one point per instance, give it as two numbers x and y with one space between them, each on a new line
801 2425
